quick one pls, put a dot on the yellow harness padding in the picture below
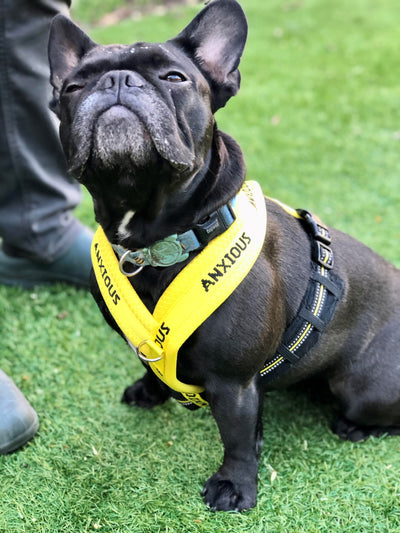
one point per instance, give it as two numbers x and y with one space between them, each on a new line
196 292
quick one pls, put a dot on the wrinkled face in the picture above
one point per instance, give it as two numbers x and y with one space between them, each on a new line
137 121
129 113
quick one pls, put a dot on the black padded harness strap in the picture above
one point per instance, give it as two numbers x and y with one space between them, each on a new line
318 306
328 284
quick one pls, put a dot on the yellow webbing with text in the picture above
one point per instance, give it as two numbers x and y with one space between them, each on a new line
196 292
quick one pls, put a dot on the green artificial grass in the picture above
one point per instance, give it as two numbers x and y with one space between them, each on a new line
318 120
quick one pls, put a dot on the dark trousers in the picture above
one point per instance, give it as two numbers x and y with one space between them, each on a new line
36 195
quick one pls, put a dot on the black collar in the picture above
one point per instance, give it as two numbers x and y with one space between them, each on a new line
176 248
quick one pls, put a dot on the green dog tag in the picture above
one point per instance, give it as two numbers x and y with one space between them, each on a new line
166 252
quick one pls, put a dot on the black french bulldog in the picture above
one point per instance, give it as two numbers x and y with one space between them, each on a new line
138 130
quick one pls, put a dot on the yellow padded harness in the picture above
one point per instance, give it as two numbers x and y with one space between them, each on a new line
196 292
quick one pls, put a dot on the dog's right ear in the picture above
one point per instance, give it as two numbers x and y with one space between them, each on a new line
67 45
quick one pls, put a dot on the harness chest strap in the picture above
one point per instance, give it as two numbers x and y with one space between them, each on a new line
198 290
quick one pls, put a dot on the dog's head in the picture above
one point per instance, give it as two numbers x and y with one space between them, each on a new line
137 120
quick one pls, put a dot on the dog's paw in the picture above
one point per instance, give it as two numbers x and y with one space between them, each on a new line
142 395
223 494
348 430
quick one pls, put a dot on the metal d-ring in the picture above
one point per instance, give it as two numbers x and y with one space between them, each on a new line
121 266
143 357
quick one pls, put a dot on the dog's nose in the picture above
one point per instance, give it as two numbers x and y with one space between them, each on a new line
130 79
121 79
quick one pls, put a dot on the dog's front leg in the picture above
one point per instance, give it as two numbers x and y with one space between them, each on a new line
237 411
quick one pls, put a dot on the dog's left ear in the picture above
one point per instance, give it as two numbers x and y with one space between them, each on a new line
215 41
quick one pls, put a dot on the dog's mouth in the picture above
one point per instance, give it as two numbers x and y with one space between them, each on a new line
120 137
126 133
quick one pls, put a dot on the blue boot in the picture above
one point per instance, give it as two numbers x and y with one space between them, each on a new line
73 267
18 420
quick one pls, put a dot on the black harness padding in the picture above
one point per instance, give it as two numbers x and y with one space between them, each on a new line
324 290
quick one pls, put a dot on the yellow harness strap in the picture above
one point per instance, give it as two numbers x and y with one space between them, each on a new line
196 292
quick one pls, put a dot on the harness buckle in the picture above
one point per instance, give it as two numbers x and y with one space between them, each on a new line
322 255
316 228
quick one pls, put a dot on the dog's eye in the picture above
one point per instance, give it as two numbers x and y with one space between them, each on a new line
175 77
73 88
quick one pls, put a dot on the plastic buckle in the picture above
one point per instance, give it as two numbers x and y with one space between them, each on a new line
323 234
319 254
316 229
215 224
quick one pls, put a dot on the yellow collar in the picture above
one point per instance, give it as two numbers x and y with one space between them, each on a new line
196 292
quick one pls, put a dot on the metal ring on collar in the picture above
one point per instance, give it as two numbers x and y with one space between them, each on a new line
121 266
143 357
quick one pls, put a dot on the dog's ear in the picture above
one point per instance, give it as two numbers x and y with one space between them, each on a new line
215 41
67 45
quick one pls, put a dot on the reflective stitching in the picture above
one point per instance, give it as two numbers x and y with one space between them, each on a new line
317 308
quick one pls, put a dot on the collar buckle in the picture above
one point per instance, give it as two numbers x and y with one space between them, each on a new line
215 224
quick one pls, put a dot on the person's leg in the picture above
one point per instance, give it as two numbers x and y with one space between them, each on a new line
18 420
36 195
